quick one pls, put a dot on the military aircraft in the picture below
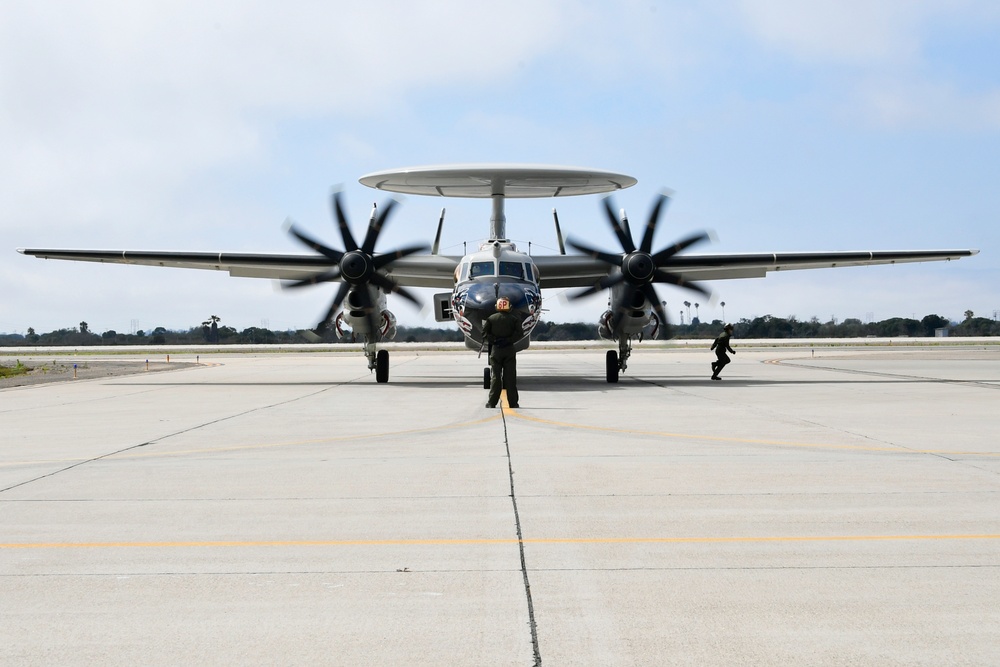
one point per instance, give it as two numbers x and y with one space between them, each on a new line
497 268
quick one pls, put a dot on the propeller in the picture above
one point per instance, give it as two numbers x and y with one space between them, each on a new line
640 267
356 267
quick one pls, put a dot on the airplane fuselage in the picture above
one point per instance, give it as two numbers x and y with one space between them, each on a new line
496 270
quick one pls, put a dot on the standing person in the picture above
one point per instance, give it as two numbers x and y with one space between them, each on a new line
501 330
720 346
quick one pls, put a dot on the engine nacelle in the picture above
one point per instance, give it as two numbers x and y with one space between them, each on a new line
355 304
352 323
645 325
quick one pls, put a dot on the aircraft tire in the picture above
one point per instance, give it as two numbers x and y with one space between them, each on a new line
611 365
382 366
486 378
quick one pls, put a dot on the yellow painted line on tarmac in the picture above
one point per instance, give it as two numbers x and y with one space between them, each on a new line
493 541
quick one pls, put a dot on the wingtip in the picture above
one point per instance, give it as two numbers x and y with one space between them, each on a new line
20 250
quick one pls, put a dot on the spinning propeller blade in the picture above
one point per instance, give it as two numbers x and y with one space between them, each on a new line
640 267
357 267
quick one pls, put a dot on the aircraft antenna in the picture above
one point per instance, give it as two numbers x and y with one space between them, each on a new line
559 236
437 237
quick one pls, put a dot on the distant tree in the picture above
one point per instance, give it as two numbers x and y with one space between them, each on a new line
211 328
968 315
546 331
84 328
977 326
852 328
256 335
931 323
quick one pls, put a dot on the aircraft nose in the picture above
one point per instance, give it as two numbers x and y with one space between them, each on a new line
482 295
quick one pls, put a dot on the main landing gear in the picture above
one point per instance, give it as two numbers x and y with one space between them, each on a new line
382 366
611 363
378 361
617 362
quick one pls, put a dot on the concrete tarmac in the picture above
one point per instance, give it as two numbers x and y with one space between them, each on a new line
816 507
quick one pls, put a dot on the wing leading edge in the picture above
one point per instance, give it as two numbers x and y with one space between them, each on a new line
579 271
555 271
413 271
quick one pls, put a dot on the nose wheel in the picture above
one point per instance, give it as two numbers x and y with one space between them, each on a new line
617 362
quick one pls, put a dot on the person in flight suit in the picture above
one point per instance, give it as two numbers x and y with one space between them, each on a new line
501 330
720 346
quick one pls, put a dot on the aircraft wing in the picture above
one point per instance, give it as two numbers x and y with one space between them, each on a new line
412 271
558 271
555 271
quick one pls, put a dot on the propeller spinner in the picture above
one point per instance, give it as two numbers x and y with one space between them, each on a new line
640 267
356 267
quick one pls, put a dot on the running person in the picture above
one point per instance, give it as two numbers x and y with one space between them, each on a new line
720 346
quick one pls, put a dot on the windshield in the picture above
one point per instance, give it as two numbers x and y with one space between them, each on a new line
515 269
482 269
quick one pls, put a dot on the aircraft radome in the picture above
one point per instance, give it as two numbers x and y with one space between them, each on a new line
497 268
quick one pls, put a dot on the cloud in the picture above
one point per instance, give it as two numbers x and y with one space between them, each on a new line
840 31
897 64
102 100
922 105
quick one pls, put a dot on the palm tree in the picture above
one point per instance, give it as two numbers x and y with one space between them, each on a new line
212 324
687 304
723 304
696 316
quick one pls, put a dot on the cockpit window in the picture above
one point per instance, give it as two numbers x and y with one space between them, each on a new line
482 269
465 272
527 272
514 269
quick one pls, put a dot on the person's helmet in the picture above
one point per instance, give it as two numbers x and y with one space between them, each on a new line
728 327
503 303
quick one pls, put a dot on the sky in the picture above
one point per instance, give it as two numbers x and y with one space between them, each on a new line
778 125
